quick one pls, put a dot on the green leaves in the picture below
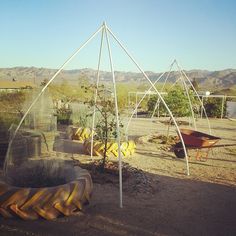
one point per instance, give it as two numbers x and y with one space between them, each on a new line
106 126
178 102
213 107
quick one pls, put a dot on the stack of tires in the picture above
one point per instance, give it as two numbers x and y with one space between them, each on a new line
81 133
84 136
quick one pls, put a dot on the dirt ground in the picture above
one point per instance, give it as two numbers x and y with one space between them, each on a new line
158 197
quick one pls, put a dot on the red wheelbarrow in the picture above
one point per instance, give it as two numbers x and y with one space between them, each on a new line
196 140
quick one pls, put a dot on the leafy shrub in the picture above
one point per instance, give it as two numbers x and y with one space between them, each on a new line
177 101
213 107
63 116
105 128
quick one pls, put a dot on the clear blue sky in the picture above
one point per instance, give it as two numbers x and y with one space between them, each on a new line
201 34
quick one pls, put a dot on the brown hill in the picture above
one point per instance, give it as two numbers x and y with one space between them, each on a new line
213 80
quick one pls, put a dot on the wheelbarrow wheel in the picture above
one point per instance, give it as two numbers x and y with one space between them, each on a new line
179 150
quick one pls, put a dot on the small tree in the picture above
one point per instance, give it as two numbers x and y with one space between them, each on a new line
105 129
178 102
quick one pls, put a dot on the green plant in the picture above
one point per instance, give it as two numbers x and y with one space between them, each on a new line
6 121
105 128
13 102
63 115
177 101
11 110
151 104
213 107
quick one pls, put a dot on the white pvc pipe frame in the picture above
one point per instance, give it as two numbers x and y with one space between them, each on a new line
167 108
158 79
200 100
107 30
158 100
145 94
96 93
181 73
208 122
162 100
103 28
189 100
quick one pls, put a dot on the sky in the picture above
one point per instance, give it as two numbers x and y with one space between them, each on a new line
200 34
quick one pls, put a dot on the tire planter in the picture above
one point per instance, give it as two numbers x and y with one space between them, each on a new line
127 148
46 202
81 133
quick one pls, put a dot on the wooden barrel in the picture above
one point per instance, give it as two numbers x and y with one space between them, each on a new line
33 145
18 150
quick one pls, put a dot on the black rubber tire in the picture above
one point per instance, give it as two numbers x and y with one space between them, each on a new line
179 151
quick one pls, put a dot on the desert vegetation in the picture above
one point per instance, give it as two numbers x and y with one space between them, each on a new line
177 101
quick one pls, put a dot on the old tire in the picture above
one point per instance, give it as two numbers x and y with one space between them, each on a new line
127 148
81 134
46 202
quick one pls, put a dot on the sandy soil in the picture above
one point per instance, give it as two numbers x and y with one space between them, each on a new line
159 198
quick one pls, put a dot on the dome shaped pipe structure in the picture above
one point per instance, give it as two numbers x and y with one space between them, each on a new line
159 95
106 32
182 73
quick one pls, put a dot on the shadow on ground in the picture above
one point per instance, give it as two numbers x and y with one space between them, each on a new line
173 207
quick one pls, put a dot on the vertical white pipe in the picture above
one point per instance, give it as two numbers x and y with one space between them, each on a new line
163 101
202 106
208 122
96 93
189 101
167 77
158 100
222 107
117 116
186 89
136 101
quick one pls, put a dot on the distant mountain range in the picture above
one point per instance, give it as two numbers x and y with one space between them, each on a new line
214 80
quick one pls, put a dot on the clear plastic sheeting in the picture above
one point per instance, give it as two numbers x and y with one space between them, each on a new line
35 137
